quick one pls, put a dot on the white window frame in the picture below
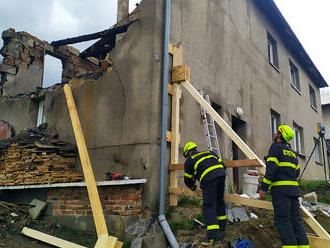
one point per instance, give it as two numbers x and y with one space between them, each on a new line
297 145
294 76
274 123
312 97
272 51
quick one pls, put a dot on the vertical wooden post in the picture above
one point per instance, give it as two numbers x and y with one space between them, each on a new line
175 134
94 198
175 140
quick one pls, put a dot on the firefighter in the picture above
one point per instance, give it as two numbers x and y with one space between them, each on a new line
208 169
282 171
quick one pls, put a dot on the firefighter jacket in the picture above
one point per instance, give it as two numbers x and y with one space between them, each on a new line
282 170
202 166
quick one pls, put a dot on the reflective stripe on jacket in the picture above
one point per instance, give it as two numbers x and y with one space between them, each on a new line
282 170
202 166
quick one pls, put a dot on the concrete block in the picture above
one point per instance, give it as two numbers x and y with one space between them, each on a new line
137 243
39 207
311 197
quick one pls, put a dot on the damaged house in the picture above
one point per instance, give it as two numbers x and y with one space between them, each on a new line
243 53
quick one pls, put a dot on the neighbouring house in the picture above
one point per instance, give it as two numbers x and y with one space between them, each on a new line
243 53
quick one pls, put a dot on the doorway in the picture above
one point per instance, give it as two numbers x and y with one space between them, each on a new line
239 127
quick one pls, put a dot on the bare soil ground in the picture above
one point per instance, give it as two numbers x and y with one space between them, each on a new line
261 232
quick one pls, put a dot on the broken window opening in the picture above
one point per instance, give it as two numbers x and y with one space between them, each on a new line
41 117
52 71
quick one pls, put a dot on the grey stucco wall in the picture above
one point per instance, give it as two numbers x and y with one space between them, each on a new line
225 44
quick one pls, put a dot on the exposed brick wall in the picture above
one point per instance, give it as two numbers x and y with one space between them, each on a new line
120 200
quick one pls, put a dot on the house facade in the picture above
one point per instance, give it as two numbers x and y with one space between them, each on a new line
243 53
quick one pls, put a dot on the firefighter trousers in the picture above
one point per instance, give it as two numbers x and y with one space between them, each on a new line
214 209
288 221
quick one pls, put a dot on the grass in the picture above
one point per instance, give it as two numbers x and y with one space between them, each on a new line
182 225
314 186
184 201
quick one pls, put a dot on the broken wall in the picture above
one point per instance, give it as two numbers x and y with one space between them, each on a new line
23 63
120 111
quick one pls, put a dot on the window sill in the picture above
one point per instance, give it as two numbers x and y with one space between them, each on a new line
314 108
295 88
275 67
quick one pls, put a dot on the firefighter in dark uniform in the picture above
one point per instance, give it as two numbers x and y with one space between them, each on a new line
208 169
282 171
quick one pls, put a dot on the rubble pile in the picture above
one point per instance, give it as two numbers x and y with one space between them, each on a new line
35 156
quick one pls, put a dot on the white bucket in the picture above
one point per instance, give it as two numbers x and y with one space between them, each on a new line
250 184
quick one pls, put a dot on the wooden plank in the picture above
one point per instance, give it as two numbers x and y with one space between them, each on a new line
242 163
119 244
180 73
94 198
248 202
102 241
112 242
223 124
228 164
170 89
316 242
175 140
228 198
318 229
49 239
168 136
174 167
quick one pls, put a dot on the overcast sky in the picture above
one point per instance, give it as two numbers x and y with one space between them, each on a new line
58 19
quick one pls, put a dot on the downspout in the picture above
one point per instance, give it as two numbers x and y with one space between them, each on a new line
163 168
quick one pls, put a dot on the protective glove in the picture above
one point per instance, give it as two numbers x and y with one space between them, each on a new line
193 187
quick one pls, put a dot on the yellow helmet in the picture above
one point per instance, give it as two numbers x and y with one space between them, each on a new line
189 146
287 132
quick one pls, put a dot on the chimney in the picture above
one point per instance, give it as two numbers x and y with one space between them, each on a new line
122 9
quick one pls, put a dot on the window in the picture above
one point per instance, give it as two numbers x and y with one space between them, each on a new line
52 71
298 138
41 117
317 151
272 51
294 76
312 97
274 123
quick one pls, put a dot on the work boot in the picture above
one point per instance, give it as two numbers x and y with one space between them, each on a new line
211 243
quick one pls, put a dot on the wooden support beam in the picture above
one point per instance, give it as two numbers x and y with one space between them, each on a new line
248 202
94 198
223 124
169 89
105 241
175 142
180 73
49 239
318 229
242 163
316 242
228 164
228 198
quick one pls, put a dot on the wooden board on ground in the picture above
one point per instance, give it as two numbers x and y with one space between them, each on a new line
316 242
49 239
318 229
